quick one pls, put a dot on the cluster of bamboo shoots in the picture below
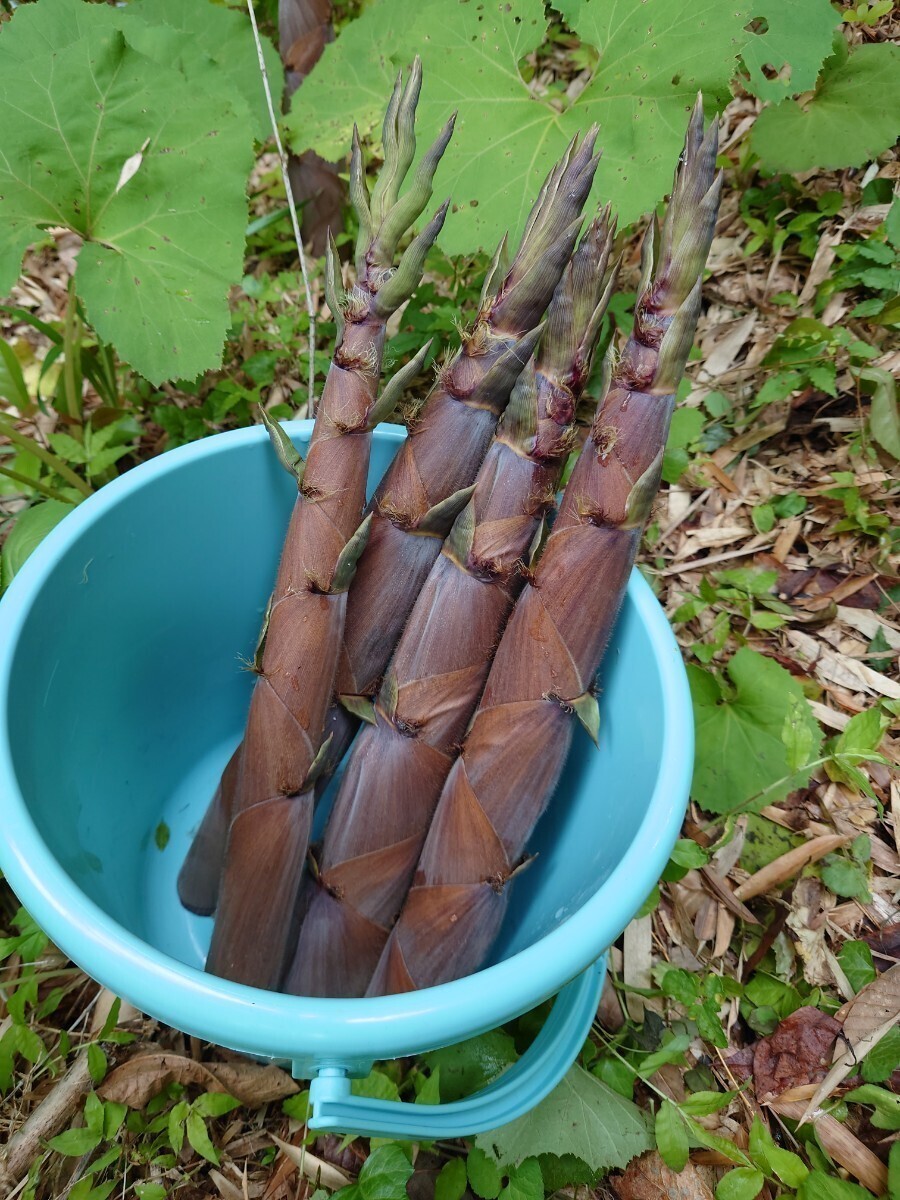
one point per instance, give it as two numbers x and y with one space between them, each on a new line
443 620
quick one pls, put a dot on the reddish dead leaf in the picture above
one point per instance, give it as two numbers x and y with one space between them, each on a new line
797 1053
816 582
648 1178
885 944
137 1081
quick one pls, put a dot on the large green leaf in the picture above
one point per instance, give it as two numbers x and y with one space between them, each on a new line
745 739
207 40
78 101
654 56
793 40
581 1116
853 116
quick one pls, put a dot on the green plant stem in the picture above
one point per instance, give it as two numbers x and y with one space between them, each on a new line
72 331
36 484
46 456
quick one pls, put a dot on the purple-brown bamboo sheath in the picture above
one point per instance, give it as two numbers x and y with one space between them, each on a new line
425 486
542 677
271 786
398 766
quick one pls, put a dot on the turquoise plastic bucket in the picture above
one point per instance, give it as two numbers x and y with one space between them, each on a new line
122 694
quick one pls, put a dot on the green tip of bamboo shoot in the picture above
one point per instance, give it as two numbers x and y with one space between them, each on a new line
349 557
287 453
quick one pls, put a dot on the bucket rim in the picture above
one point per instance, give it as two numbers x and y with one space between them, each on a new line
281 1026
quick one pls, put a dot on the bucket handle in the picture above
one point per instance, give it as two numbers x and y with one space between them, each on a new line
333 1109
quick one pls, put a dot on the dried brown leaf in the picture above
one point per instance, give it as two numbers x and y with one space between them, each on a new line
879 1001
137 1081
254 1084
648 1178
809 908
786 866
885 942
843 1146
320 1172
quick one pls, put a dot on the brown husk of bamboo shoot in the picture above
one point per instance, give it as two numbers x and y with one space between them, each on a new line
542 678
272 797
398 766
347 405
424 488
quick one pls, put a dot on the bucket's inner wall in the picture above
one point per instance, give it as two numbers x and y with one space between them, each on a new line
129 694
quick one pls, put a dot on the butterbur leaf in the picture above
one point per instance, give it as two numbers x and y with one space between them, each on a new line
384 1174
581 1116
794 44
797 733
428 1087
740 752
470 55
471 1065
564 1170
850 119
377 1086
167 246
671 1136
212 39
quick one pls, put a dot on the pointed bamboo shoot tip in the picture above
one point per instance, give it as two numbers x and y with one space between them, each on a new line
286 452
587 710
318 764
359 706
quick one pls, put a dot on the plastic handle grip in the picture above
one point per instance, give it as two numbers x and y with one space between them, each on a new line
334 1110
